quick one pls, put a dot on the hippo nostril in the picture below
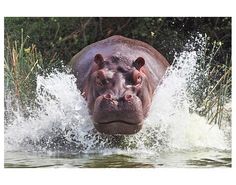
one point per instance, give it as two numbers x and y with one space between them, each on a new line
128 97
107 96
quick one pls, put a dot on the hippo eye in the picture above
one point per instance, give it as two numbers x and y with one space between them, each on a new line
100 78
101 81
137 78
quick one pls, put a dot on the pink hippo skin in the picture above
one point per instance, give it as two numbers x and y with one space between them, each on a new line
118 76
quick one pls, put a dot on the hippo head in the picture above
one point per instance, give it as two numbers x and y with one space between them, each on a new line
118 94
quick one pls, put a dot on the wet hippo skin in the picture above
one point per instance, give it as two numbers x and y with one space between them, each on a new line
117 77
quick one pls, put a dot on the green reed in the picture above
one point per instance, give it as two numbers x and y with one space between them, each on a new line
22 64
213 90
219 95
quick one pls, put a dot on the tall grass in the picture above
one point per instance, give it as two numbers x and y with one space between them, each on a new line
215 102
213 91
22 63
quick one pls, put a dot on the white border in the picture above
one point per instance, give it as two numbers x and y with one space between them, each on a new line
113 8
121 8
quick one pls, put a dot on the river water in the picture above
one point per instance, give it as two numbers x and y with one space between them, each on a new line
58 132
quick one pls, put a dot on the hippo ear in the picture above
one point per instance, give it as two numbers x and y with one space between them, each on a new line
98 59
138 63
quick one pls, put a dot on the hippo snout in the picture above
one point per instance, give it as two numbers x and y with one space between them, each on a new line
118 115
128 97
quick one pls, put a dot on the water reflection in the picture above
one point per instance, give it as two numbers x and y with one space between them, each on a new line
221 162
189 159
116 161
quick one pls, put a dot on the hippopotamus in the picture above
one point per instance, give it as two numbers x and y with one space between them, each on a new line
117 77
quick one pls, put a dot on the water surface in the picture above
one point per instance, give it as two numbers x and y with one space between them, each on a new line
193 159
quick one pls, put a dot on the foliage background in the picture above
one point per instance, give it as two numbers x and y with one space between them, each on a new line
61 38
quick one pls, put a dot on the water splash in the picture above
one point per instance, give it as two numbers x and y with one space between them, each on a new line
61 121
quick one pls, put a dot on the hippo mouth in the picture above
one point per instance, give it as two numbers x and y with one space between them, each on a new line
118 127
118 121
